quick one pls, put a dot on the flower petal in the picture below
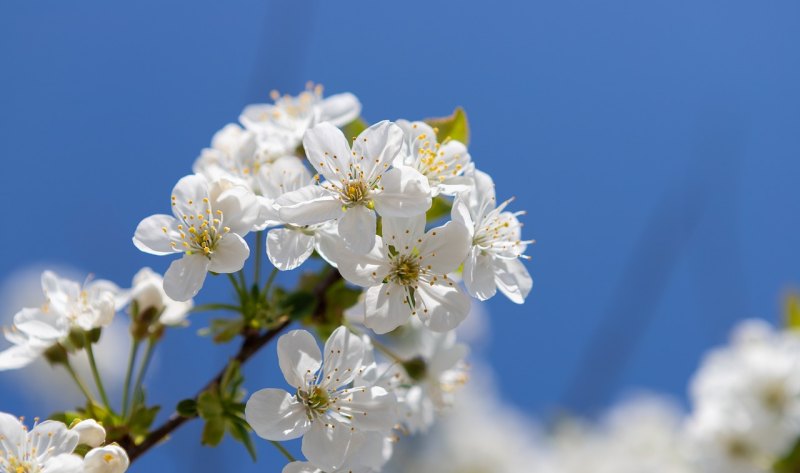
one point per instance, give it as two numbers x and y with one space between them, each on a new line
188 195
151 238
308 205
288 249
298 357
276 415
340 109
441 307
405 193
301 467
344 355
19 356
513 279
357 228
445 248
403 233
372 409
43 326
327 150
229 255
376 148
479 277
66 463
326 444
366 269
185 277
386 307
52 438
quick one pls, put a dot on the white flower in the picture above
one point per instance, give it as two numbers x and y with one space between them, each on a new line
208 225
493 260
444 164
109 459
47 448
325 410
357 181
280 126
90 433
148 292
32 333
233 155
406 274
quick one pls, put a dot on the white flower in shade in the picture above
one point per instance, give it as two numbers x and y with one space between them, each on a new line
209 223
109 459
493 262
233 155
90 433
47 448
326 409
32 333
358 182
280 126
406 274
444 164
148 292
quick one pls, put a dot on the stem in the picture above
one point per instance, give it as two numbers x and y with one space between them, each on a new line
283 450
243 281
270 280
129 375
209 307
235 285
95 372
259 251
250 346
79 382
148 355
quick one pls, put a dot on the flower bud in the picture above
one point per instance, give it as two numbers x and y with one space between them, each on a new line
90 433
109 459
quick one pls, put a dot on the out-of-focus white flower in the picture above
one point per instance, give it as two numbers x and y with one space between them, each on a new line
280 127
493 262
209 223
46 448
444 164
148 293
90 433
358 182
109 459
406 274
324 410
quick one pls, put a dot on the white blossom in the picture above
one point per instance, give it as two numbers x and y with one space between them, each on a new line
444 164
47 448
406 273
148 293
325 408
208 226
493 262
109 459
358 182
90 432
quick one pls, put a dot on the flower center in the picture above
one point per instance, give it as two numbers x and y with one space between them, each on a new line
201 231
775 398
355 192
404 270
316 401
17 466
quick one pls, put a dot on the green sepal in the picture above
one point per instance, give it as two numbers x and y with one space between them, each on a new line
455 127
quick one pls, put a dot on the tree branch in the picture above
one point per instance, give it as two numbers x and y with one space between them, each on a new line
251 345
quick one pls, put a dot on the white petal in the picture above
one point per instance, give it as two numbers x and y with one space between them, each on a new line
366 269
340 109
239 206
229 255
373 409
327 150
445 248
327 445
344 355
276 415
301 467
90 432
376 148
479 277
185 277
52 438
44 326
299 357
460 213
188 195
513 279
108 459
288 249
403 233
151 238
386 307
65 463
308 205
441 307
20 356
357 228
12 432
405 193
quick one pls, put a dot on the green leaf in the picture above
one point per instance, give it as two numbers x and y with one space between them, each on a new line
298 305
455 127
225 330
239 431
790 463
213 431
354 128
440 208
187 408
142 418
231 380
209 405
791 311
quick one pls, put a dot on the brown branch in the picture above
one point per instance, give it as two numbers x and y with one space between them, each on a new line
251 345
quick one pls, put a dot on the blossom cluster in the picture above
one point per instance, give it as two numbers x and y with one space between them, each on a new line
397 211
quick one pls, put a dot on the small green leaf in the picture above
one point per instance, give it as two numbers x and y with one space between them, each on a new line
209 405
239 431
298 305
213 431
187 408
354 128
440 208
791 311
225 330
455 127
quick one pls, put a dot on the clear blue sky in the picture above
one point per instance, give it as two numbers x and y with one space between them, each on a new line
654 145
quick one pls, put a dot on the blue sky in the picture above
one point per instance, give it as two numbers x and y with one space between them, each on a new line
654 145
